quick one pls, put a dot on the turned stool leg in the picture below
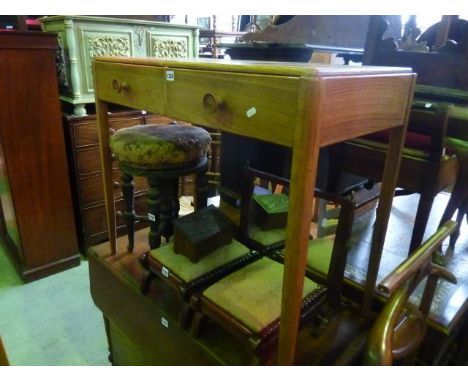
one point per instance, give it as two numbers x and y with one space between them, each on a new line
167 208
129 213
154 210
201 189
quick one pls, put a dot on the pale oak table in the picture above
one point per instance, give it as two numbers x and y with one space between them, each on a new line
302 106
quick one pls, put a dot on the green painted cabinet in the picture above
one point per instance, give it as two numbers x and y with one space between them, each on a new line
81 38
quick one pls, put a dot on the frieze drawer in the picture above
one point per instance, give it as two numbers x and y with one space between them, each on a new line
81 38
235 102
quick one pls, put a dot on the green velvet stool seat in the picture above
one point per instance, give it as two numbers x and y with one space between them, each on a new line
247 303
162 154
186 277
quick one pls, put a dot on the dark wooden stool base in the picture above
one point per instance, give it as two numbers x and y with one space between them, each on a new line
162 198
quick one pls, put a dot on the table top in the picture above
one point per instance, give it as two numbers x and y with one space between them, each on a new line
292 69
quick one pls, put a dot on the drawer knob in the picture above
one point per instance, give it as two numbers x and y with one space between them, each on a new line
116 184
211 103
118 86
113 156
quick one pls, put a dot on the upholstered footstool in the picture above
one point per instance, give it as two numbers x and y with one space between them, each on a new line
187 277
247 303
162 154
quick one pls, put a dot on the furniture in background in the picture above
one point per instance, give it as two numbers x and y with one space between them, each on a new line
20 23
83 37
36 213
442 79
263 101
425 167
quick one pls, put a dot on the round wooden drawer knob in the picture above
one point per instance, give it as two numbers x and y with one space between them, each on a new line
116 184
211 103
118 86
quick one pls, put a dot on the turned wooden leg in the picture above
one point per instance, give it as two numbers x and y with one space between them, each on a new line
154 210
129 213
167 208
201 189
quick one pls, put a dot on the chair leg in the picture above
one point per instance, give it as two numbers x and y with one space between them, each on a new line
462 211
129 213
422 216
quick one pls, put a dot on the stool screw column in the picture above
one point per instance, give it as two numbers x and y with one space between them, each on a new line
154 210
201 189
129 213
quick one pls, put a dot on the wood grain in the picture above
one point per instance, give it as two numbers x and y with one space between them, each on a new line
34 157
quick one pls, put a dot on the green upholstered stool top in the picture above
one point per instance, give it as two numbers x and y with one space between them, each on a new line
252 294
156 147
319 254
182 267
267 237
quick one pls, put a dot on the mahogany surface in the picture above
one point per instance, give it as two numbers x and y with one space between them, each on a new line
36 198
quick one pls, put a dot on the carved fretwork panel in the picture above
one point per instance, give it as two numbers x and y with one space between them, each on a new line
60 62
168 47
108 46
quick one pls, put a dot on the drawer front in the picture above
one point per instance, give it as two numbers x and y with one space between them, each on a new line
95 216
92 189
259 106
155 119
89 161
86 133
137 86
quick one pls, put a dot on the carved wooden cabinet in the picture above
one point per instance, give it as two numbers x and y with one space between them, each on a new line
81 38
85 164
36 212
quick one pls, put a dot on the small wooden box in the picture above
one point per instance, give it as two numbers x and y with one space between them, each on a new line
201 232
271 210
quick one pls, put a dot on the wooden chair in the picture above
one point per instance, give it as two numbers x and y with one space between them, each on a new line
442 79
425 167
459 195
400 328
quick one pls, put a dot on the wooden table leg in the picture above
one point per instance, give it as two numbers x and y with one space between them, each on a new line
106 165
301 194
389 181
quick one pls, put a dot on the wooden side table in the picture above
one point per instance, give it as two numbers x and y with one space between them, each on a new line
302 106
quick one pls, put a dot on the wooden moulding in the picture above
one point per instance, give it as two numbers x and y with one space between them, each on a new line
201 232
271 210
